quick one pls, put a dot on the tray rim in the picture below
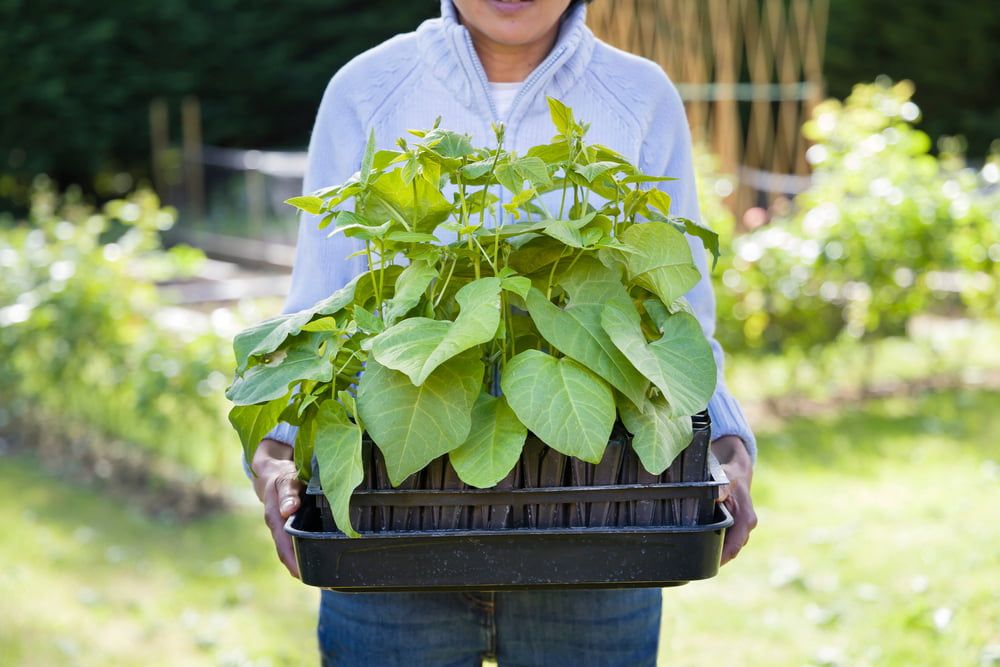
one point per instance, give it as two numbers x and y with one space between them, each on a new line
462 534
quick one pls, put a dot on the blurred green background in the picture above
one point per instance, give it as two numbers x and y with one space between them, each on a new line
861 319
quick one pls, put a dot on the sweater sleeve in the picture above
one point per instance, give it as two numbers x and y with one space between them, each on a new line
667 151
320 266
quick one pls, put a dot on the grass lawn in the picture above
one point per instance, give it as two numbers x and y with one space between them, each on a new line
878 544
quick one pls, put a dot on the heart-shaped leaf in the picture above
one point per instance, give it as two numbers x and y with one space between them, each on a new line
657 435
414 425
680 363
410 287
253 422
563 403
418 345
494 443
662 261
338 452
576 332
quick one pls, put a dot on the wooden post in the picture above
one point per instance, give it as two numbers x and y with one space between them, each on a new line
159 139
194 173
255 185
750 72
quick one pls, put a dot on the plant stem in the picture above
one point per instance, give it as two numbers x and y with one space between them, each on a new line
454 261
381 275
485 256
371 262
578 256
552 274
562 202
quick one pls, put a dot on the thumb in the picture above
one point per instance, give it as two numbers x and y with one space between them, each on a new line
288 488
723 493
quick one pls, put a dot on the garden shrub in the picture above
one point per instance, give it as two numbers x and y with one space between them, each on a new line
886 231
79 336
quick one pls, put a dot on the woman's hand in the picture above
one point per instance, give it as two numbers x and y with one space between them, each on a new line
278 487
735 460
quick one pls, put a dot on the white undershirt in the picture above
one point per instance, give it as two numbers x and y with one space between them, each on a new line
503 95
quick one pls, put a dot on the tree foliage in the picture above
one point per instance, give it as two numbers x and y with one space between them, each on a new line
78 77
948 48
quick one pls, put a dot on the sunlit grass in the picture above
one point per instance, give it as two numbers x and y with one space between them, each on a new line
877 545
88 581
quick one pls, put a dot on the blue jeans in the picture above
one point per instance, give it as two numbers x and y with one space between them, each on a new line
557 628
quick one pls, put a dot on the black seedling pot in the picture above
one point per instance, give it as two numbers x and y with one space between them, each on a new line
553 522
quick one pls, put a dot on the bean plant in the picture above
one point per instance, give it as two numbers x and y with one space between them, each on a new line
485 312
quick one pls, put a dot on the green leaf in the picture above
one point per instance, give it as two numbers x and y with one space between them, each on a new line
418 206
309 204
564 231
414 425
590 282
406 346
600 153
368 158
509 177
534 170
450 144
659 200
368 321
662 261
476 170
305 441
577 333
513 174
253 422
535 254
680 363
418 345
562 117
322 324
645 178
563 403
517 284
338 453
707 236
411 237
384 158
554 153
411 285
268 381
594 169
361 231
657 435
494 444
508 231
267 336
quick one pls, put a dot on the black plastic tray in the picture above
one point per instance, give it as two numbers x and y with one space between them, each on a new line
476 560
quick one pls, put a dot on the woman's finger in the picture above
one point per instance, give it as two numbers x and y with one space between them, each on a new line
276 523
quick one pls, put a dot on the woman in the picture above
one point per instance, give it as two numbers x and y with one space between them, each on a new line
481 62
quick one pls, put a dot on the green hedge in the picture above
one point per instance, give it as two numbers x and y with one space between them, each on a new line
949 49
77 77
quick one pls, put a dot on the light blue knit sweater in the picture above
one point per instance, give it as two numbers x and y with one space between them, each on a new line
409 80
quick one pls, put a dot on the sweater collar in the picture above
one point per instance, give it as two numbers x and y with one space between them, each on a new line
446 47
